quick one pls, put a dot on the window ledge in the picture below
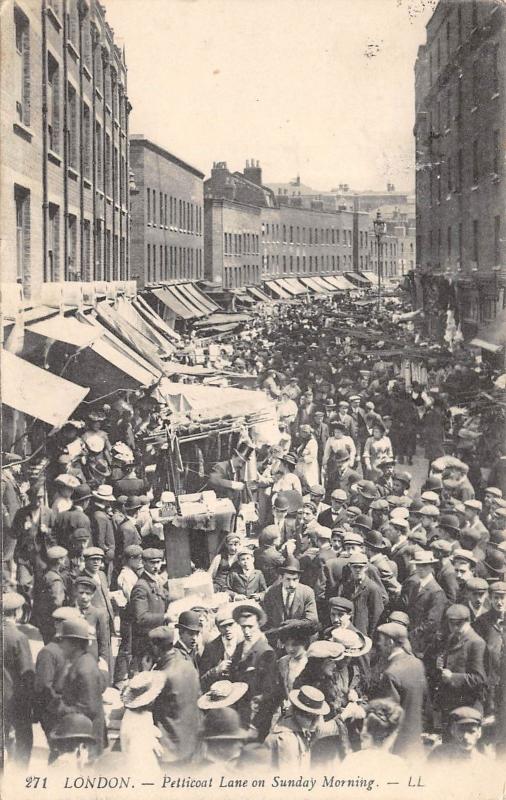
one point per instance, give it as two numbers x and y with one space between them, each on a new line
54 157
98 93
72 49
474 110
72 173
53 16
474 188
496 177
495 96
22 131
87 183
108 108
86 72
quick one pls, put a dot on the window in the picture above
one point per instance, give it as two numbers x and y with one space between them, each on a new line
284 234
22 201
438 53
22 67
476 241
154 262
310 235
72 272
459 24
108 167
149 262
161 209
448 40
460 171
450 168
476 83
461 243
87 249
474 14
72 130
100 161
72 22
86 141
291 234
497 240
316 235
460 100
449 240
53 244
180 218
53 104
476 166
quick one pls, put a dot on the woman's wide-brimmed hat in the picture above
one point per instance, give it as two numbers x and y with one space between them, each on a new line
310 700
143 689
222 694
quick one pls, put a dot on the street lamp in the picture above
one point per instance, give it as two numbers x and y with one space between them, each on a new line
380 227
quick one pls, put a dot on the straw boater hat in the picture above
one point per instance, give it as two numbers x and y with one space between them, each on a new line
423 558
222 694
355 643
143 689
310 700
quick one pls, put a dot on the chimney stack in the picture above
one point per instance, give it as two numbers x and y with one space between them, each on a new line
253 172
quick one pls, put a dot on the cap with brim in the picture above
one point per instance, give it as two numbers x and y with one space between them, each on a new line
429 511
477 585
399 522
341 604
75 629
56 552
82 492
465 715
162 633
73 726
394 630
494 491
498 587
152 554
400 617
66 612
339 494
430 498
322 532
244 551
353 511
232 537
224 615
441 546
422 558
367 489
132 551
70 481
358 559
241 609
326 649
310 700
84 582
379 505
289 458
355 643
464 555
143 689
12 600
458 612
475 505
93 552
222 694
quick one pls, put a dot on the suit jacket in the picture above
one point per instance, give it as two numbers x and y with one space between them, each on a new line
303 605
82 692
213 654
404 681
367 601
175 709
48 595
258 668
68 521
102 532
31 542
465 659
326 519
101 647
219 480
50 671
425 606
238 583
148 603
343 480
489 628
402 556
448 581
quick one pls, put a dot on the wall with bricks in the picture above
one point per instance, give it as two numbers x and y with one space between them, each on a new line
167 212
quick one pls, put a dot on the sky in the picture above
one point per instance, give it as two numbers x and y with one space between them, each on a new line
323 89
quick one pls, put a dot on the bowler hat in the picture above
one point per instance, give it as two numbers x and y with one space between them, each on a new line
375 541
73 726
223 724
310 700
403 477
189 620
75 629
82 492
133 503
450 523
281 503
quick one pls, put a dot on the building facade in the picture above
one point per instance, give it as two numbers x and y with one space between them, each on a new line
254 232
460 133
167 215
64 164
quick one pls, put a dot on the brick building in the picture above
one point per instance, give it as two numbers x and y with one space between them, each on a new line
253 232
64 174
167 224
460 133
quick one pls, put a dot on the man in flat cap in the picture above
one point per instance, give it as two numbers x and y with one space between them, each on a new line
491 627
129 575
464 733
364 593
149 602
18 673
94 562
267 557
83 590
216 659
457 673
49 591
424 601
32 530
288 598
403 680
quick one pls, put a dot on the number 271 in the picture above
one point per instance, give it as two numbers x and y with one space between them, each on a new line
34 782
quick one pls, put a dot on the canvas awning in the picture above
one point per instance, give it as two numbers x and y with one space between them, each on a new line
340 282
182 293
128 312
258 294
492 337
313 284
358 279
134 339
202 299
65 329
294 286
154 319
37 392
278 290
222 319
173 303
371 277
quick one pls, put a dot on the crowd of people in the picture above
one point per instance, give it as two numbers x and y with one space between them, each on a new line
360 618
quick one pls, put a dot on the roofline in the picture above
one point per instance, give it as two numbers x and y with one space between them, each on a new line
141 140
